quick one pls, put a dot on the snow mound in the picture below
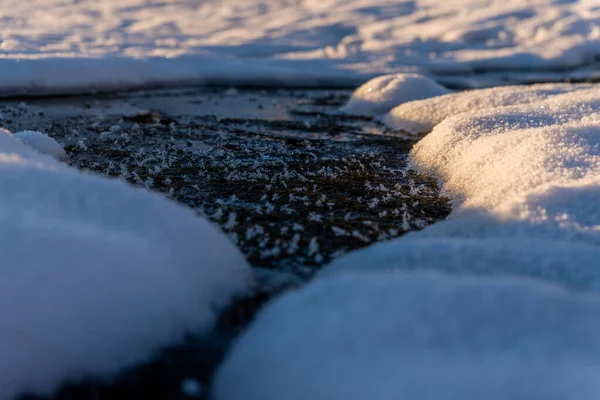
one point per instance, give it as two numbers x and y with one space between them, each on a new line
86 45
389 336
449 248
514 162
524 181
43 143
381 94
421 116
97 275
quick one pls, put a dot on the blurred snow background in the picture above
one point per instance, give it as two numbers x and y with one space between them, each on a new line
73 45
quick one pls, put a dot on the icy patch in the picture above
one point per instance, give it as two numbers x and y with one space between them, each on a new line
42 143
381 94
390 336
96 275
421 116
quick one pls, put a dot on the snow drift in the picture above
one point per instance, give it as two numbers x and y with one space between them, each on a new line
50 46
96 275
522 168
390 336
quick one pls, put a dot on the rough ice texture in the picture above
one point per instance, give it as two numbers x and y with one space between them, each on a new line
524 181
42 143
75 45
96 275
381 94
389 336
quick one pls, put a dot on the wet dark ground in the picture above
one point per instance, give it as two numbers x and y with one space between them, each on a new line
292 182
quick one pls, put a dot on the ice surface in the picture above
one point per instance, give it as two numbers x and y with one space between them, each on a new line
381 94
96 275
75 45
389 336
42 143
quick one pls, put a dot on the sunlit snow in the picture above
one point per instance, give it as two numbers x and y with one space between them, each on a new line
73 45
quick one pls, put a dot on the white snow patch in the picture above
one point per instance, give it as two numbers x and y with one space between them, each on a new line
421 116
97 275
381 94
574 265
87 45
389 336
42 143
524 181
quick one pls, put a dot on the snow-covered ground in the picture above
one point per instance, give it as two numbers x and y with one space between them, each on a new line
96 275
76 45
521 165
390 336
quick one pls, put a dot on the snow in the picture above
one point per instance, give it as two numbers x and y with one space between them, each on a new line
381 94
97 275
417 117
522 169
396 336
524 180
42 143
62 46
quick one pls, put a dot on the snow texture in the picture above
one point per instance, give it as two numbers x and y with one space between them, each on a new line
381 94
524 180
42 143
96 275
418 117
389 336
522 168
78 45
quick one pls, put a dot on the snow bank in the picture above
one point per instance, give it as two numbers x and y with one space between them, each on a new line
79 45
96 275
42 143
524 180
394 336
381 94
450 248
417 117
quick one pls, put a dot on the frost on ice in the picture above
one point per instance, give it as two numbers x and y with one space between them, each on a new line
96 275
390 336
